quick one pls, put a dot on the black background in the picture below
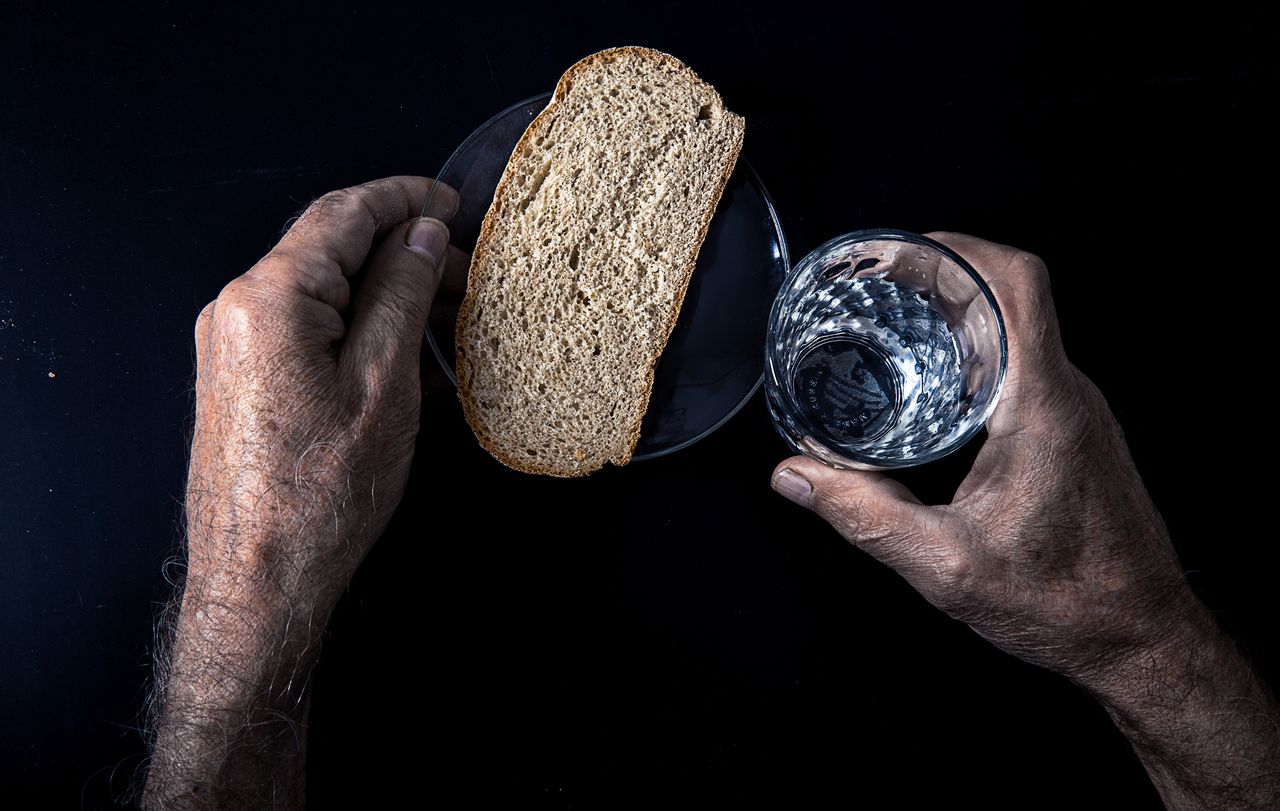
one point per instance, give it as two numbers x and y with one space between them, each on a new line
671 632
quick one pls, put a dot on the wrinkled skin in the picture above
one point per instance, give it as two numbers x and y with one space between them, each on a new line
306 418
1051 547
307 402
1052 550
307 406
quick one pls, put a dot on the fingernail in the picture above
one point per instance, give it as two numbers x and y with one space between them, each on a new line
428 237
793 486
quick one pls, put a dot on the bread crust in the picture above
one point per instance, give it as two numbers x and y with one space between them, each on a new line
535 128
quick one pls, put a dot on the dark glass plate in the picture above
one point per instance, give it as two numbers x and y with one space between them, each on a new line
714 360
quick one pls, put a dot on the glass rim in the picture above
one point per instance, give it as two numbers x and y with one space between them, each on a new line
899 235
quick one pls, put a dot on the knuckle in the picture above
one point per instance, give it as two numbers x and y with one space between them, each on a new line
303 259
1031 263
958 589
1034 272
206 316
344 203
315 268
338 199
953 570
335 203
1069 409
236 297
341 206
242 303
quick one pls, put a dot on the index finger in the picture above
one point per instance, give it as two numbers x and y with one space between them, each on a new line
1018 279
333 237
342 226
1020 283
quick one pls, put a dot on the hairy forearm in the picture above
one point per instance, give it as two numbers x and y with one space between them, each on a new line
1206 728
306 412
231 727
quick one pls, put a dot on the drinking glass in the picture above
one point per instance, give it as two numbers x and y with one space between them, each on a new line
885 349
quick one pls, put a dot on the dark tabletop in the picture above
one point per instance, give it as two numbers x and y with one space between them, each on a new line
672 631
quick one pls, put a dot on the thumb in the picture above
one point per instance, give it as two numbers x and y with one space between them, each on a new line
873 512
389 312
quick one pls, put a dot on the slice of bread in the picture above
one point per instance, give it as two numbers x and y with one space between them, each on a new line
584 258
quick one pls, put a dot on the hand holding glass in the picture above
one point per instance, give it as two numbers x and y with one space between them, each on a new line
885 349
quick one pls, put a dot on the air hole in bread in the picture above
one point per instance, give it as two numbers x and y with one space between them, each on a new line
573 258
538 179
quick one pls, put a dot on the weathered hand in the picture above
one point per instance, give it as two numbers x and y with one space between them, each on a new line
307 405
1052 550
307 390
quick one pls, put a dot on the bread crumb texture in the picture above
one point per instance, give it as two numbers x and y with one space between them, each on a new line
584 258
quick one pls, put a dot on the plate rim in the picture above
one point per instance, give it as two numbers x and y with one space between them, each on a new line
755 387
